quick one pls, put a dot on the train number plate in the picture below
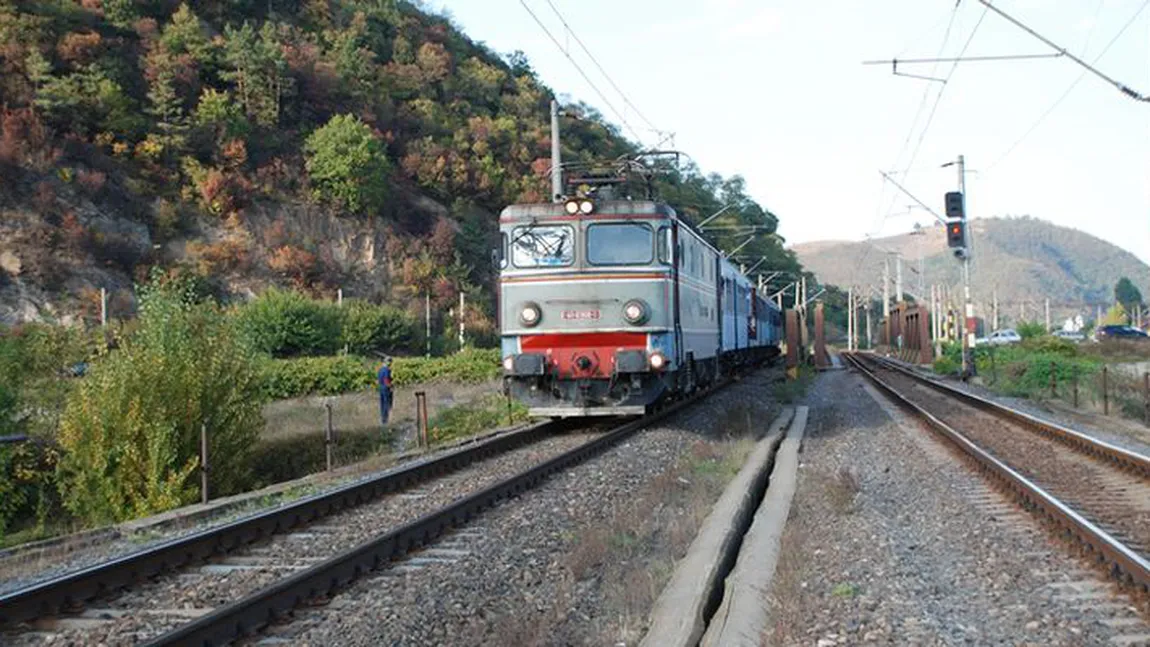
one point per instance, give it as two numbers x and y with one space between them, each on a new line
581 315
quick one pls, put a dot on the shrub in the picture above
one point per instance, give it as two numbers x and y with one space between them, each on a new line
300 376
469 366
468 420
131 430
1031 329
291 378
945 366
284 323
368 328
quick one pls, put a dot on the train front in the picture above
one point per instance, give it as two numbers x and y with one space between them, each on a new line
585 306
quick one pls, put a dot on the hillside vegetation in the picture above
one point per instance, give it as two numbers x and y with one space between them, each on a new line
363 145
1025 260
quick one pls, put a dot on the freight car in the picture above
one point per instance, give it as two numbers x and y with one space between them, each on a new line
610 306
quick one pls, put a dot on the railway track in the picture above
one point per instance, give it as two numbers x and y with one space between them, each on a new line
1095 493
160 597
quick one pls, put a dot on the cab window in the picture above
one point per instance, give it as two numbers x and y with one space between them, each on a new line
543 246
665 245
620 243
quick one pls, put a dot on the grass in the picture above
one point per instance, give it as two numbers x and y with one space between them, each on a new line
845 590
788 391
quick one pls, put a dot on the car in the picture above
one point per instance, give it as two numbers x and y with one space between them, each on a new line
1119 331
1070 335
1004 336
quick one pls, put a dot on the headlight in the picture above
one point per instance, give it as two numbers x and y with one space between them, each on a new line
586 207
509 363
635 312
530 315
658 361
572 207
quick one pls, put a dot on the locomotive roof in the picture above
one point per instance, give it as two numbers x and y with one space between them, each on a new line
602 208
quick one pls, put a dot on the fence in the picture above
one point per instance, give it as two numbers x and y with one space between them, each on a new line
1089 387
312 435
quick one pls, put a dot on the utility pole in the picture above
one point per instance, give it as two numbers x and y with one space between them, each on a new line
1047 315
958 211
886 289
995 309
850 318
556 161
462 304
866 311
898 278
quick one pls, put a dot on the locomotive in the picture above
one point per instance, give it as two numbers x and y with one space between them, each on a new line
609 306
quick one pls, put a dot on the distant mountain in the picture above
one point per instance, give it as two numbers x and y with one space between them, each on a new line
1023 259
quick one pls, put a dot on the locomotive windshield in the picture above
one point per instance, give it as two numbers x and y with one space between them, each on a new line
620 243
542 246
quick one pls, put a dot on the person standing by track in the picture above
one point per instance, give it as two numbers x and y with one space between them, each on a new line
383 378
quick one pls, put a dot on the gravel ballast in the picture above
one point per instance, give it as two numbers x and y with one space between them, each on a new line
893 540
578 560
148 610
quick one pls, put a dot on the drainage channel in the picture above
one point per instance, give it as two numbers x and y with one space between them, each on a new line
712 596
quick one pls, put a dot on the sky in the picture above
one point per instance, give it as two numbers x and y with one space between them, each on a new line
777 92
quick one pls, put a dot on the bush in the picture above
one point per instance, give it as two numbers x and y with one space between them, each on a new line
1030 329
944 365
468 420
468 366
131 430
300 376
285 323
368 328
291 378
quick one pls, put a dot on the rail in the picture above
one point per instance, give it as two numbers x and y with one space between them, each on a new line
1125 458
250 614
1132 567
73 589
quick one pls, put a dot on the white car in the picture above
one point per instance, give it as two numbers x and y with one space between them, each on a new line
1005 336
1070 335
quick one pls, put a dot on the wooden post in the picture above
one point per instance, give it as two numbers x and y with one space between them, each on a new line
462 304
510 417
421 416
1105 393
1146 399
328 436
427 316
1053 382
103 307
203 462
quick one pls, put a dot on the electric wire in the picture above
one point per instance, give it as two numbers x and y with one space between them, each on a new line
602 71
583 74
879 217
1042 118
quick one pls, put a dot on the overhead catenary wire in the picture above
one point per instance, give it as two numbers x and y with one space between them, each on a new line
599 67
1057 102
879 218
583 74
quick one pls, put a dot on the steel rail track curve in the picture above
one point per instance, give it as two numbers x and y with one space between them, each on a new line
72 590
1133 461
251 614
1125 564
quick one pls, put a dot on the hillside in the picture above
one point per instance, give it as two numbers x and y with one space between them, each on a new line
362 145
1025 260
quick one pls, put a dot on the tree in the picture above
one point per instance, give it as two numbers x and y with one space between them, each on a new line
131 428
348 165
259 70
1116 316
1126 294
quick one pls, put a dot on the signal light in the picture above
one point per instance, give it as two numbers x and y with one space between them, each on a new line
956 233
955 207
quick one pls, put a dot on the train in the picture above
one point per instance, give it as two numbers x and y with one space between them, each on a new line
611 307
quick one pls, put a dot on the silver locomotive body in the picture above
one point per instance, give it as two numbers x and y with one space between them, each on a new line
608 307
